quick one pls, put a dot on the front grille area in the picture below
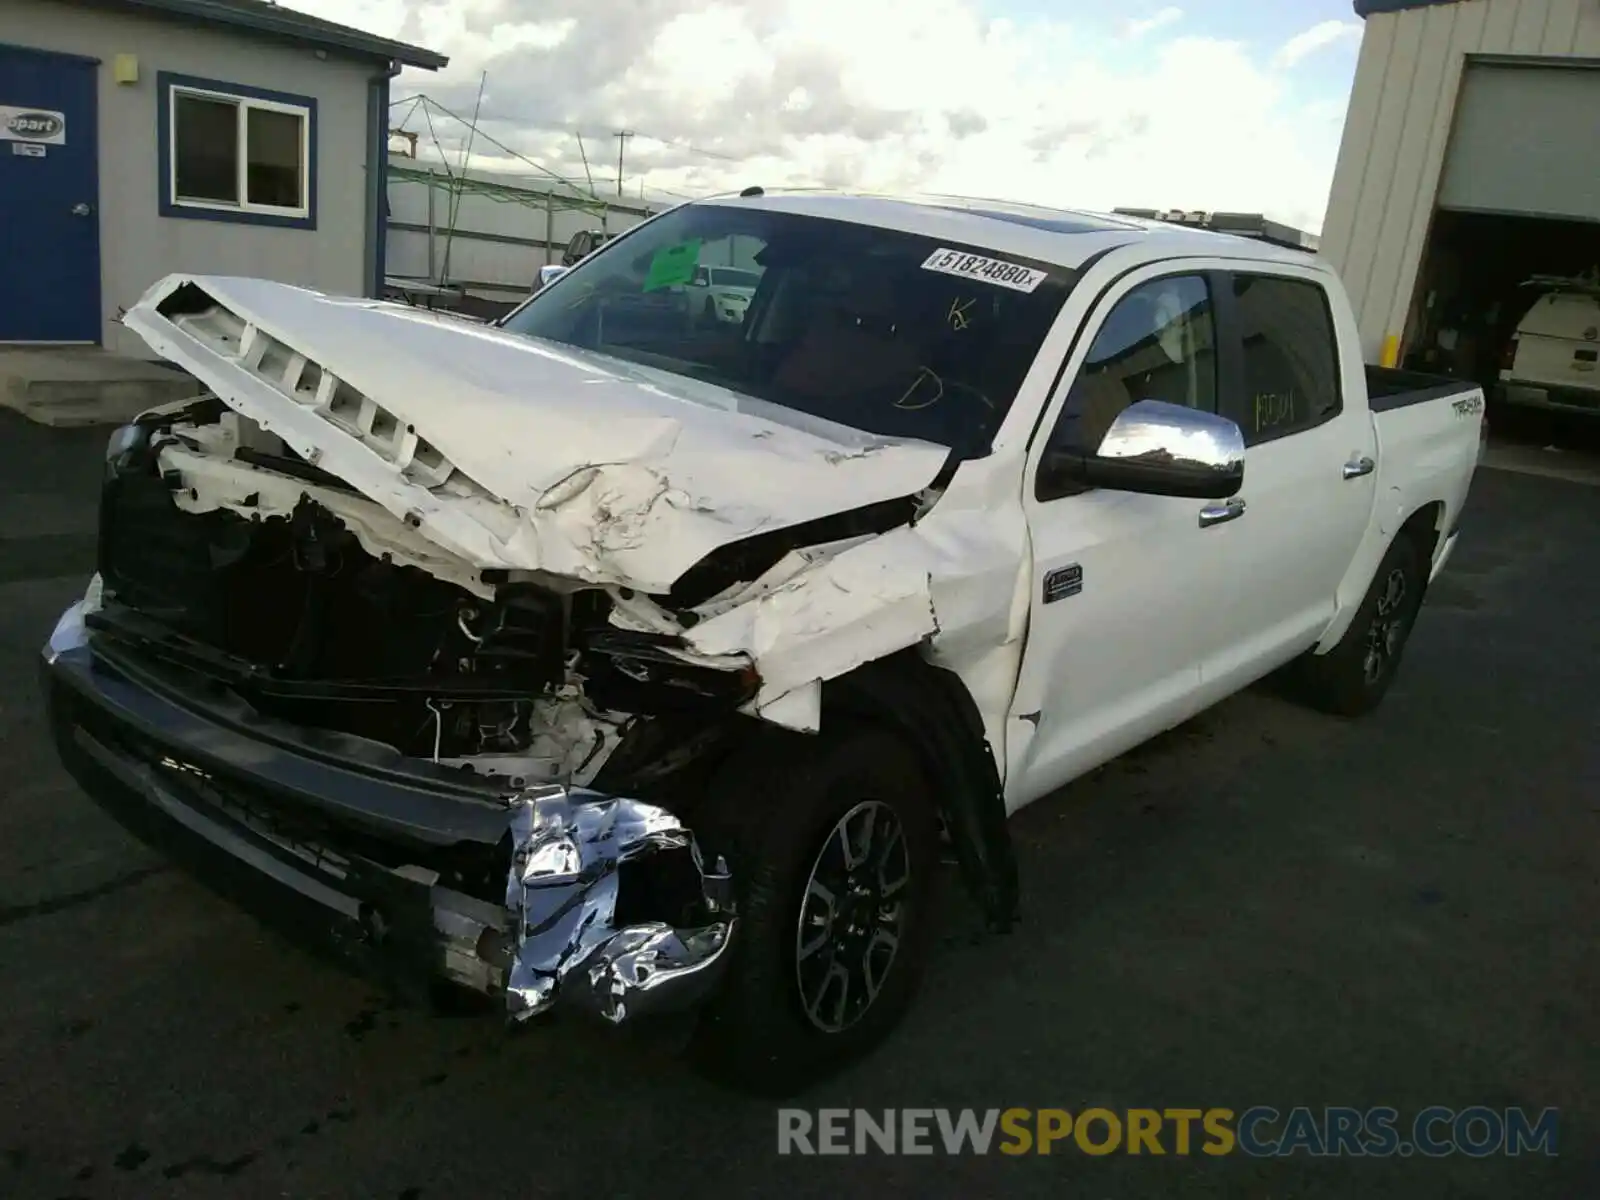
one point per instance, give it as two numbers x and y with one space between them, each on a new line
161 560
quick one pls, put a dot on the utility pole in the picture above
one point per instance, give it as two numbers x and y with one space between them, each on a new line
622 136
585 155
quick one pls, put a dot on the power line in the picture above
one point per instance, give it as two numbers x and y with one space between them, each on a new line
428 104
693 149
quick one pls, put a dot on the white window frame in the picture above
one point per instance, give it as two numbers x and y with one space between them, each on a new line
242 106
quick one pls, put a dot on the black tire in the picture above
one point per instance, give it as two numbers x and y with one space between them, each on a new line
1352 678
774 812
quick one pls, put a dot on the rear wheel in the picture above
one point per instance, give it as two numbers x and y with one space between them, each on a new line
1353 677
833 845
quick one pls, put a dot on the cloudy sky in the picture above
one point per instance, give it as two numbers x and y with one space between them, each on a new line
1213 104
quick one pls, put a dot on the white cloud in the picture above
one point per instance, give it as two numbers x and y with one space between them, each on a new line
1318 37
891 94
1158 20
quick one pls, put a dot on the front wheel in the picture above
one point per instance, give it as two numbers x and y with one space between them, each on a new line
833 845
1352 678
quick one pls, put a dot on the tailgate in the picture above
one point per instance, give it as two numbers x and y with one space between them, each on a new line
1556 362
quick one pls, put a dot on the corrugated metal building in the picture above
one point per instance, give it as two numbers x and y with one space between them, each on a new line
482 236
140 137
1470 161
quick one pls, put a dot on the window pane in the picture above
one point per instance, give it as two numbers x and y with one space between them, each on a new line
1158 343
205 149
1291 367
274 171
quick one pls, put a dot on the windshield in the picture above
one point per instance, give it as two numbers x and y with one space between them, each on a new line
888 332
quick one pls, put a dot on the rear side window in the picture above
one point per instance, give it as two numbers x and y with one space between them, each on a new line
1289 358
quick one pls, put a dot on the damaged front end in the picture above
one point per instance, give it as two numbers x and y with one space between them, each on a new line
438 765
468 768
607 905
440 680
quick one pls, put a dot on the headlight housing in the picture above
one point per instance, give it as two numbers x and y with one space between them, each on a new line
124 438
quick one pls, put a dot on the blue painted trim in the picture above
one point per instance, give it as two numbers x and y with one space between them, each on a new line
61 55
1365 8
167 204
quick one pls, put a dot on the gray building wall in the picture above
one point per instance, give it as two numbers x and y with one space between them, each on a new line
1398 127
138 245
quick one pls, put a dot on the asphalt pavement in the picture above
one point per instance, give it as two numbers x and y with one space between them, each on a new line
1266 907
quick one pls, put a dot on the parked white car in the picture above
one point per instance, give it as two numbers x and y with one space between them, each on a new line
616 661
722 293
1553 362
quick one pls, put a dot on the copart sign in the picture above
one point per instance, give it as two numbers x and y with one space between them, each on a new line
32 125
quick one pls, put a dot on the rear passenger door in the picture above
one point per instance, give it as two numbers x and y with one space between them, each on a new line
1309 472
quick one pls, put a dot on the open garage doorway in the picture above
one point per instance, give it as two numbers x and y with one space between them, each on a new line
1481 276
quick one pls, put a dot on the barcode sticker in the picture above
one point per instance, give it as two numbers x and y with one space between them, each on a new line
990 270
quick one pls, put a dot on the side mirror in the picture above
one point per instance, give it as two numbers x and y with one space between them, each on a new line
549 274
1159 449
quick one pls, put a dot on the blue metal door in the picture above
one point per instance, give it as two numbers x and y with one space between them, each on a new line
49 198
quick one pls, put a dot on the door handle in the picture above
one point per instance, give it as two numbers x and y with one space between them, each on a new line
1357 467
1221 512
80 209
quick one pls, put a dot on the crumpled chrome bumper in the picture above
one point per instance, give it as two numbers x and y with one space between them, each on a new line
571 848
594 886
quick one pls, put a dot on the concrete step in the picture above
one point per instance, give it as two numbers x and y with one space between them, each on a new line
84 385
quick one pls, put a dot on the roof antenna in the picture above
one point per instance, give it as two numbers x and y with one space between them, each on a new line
754 190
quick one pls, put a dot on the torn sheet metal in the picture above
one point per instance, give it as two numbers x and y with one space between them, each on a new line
513 453
569 852
480 450
209 483
817 614
569 741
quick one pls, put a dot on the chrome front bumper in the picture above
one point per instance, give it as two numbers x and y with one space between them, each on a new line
214 783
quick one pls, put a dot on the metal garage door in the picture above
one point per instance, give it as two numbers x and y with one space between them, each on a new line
1526 140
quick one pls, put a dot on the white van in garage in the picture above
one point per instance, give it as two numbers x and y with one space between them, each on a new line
1553 361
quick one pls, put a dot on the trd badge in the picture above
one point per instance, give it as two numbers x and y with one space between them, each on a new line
1063 582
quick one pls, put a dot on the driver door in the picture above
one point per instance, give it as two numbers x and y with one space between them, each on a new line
1125 586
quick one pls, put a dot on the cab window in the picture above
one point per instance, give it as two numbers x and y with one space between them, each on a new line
1288 355
1157 343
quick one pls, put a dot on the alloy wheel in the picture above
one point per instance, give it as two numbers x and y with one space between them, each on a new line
852 916
1387 631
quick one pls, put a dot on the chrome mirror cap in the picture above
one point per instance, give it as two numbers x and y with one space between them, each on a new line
1158 432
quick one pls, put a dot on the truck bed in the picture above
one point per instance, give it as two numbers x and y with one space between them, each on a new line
1390 388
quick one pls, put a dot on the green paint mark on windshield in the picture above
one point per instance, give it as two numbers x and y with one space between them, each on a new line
673 265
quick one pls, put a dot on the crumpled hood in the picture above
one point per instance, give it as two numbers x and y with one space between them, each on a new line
515 453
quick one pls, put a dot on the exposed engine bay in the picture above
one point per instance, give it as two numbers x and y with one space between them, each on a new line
226 553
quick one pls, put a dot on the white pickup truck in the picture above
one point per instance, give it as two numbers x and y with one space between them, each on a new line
609 661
